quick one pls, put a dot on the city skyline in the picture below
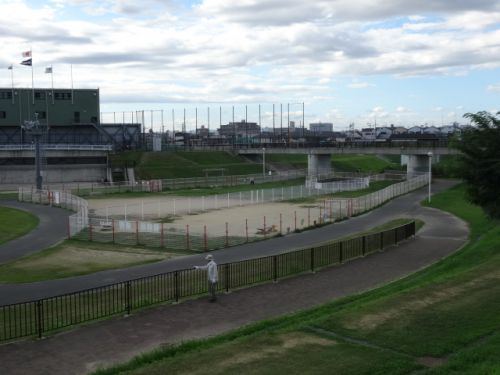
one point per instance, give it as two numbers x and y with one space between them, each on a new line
385 62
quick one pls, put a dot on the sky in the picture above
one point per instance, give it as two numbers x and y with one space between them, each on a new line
364 62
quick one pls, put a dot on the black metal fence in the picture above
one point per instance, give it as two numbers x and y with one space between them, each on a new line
34 318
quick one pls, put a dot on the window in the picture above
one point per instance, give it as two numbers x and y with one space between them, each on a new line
38 95
76 117
3 114
62 96
5 94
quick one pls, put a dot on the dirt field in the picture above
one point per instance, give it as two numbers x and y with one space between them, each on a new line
286 216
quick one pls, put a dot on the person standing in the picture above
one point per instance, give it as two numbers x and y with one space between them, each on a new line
213 275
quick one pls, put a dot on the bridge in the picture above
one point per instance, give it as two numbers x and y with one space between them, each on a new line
319 158
64 163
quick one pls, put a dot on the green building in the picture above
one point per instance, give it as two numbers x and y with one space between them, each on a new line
55 107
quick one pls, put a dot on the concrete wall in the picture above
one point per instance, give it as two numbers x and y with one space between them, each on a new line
319 164
417 164
25 174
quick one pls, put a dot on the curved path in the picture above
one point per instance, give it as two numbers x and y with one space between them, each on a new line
109 342
52 228
404 206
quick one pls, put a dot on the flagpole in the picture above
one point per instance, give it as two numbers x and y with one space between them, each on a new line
12 77
52 77
72 93
32 77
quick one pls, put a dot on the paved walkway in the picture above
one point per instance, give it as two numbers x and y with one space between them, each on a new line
404 206
85 349
52 228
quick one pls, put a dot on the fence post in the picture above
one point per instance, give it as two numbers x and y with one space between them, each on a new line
341 252
127 301
281 224
265 227
226 268
312 259
364 245
90 232
69 228
295 217
187 236
39 317
113 229
176 286
381 241
308 216
275 269
246 228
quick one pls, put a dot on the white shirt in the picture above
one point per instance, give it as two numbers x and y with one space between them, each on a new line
213 275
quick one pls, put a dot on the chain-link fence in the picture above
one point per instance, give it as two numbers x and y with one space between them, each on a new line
221 228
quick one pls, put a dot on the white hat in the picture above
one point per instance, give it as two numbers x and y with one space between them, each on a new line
209 257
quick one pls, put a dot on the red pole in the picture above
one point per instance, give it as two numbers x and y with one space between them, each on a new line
137 232
187 236
161 236
205 238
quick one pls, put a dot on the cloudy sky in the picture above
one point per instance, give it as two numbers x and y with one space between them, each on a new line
396 62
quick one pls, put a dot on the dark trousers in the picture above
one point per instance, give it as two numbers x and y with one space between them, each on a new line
212 287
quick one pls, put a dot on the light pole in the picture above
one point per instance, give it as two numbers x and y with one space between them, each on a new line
263 161
429 154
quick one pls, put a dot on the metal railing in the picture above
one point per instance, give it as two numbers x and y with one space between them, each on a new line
55 147
34 318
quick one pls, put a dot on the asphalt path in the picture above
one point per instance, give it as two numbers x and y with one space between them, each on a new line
404 206
84 349
51 229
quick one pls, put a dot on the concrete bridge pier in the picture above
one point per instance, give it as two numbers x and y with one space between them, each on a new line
417 164
318 164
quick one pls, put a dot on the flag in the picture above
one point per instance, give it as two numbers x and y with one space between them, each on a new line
27 54
26 62
48 70
9 67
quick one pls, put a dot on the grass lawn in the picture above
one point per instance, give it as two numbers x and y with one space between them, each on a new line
15 223
73 258
199 192
340 163
152 165
441 320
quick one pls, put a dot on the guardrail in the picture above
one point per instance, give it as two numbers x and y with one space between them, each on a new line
35 318
57 147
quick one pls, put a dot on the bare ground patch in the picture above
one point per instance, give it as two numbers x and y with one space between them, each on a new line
373 320
284 343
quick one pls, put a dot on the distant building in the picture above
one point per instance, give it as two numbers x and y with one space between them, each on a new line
240 129
71 116
321 127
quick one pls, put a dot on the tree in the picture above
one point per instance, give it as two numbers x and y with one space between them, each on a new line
480 160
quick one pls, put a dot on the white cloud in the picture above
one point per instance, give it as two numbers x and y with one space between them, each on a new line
494 88
360 85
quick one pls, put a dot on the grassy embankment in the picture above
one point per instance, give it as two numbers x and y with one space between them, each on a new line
15 223
152 165
441 320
